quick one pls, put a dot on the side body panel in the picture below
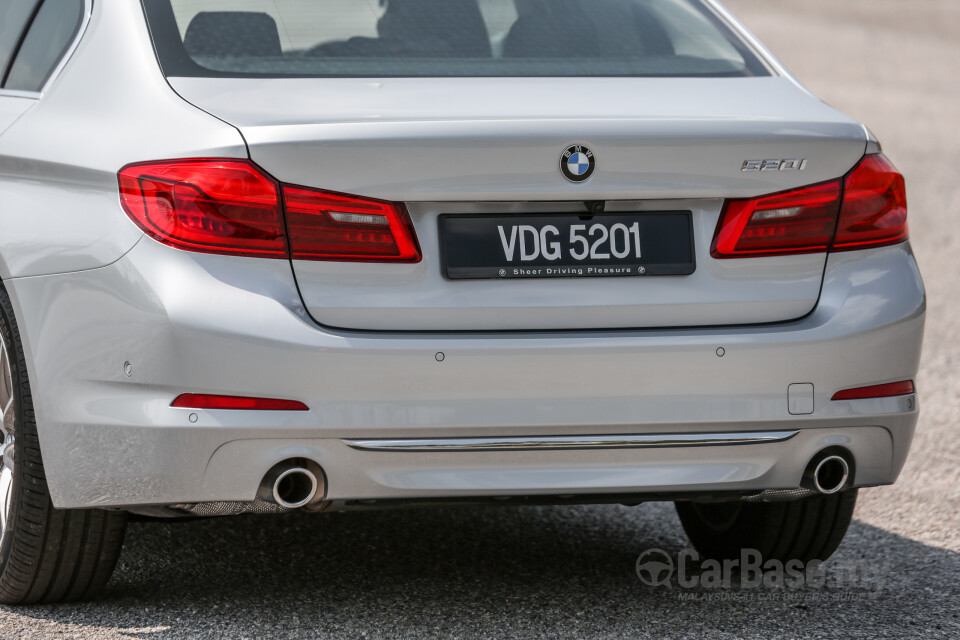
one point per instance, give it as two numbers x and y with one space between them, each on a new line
13 106
109 106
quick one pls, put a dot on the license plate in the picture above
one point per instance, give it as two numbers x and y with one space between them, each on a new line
567 245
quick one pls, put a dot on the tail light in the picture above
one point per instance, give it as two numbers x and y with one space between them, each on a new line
232 207
868 208
213 206
801 221
328 226
874 206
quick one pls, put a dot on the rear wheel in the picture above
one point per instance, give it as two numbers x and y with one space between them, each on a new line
46 554
807 529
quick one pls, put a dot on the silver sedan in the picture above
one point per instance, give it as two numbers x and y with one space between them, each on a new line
264 255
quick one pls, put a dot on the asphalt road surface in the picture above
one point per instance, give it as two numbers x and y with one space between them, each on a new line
568 572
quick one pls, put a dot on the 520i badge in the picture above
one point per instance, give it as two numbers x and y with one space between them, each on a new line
577 163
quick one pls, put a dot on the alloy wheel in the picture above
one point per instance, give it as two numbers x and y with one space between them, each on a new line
7 437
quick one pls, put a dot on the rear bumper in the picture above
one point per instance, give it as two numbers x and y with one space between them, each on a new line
214 324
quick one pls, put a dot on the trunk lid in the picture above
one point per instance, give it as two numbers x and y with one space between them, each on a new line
459 147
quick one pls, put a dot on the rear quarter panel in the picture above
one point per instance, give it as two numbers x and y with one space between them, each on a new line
109 106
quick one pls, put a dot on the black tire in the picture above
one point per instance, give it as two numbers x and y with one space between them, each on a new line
46 554
807 529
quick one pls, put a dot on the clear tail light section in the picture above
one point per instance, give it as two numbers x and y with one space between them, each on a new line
867 208
232 207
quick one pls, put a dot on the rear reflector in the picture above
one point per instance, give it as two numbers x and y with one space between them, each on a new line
330 226
868 208
232 207
205 401
903 388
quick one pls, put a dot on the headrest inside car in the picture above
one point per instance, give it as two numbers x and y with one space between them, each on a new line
232 33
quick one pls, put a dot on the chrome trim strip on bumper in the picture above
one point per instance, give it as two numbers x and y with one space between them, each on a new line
570 442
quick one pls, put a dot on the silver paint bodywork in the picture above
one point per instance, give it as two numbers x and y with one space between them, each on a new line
460 146
219 324
605 358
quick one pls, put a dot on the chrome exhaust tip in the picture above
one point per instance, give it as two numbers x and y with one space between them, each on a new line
827 475
290 485
295 488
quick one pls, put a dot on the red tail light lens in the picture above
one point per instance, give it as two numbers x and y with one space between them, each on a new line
232 207
208 401
903 388
213 206
801 221
329 226
868 208
874 209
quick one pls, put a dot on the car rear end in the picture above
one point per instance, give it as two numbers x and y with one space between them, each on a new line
470 251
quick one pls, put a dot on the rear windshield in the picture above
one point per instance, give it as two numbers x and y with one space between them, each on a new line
430 38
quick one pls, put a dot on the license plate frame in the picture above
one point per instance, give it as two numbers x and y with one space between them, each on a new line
475 246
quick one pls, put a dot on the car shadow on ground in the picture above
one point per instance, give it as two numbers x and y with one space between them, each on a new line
490 572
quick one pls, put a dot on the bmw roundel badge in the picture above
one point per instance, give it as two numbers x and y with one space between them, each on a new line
577 163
